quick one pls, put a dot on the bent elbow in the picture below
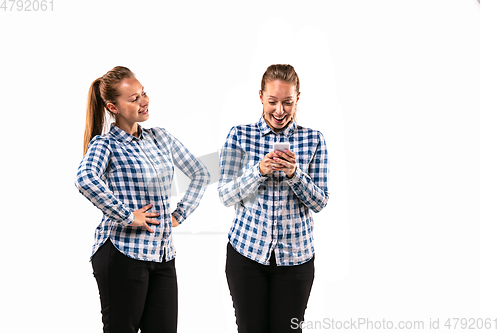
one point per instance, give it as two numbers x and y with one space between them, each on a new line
201 176
206 177
225 199
78 182
319 207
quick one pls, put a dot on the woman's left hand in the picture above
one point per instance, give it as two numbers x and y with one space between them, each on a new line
287 162
174 222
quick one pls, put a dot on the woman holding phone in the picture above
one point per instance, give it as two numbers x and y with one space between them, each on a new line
127 173
270 253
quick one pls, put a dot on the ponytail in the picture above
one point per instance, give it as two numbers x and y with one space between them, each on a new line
95 114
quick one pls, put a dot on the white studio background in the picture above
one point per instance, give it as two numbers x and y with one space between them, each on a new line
490 159
392 84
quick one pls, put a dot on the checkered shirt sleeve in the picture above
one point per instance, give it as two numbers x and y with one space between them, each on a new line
191 167
91 183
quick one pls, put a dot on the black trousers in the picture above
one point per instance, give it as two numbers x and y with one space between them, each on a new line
267 298
135 294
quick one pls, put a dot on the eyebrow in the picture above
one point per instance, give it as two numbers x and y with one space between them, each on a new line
289 97
136 93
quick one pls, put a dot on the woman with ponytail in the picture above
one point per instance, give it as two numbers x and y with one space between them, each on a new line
127 174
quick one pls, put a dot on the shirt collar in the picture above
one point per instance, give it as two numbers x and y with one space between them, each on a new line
265 129
123 136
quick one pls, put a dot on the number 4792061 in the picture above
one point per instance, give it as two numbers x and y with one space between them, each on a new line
27 5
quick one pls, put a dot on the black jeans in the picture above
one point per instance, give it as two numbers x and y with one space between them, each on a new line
135 294
267 298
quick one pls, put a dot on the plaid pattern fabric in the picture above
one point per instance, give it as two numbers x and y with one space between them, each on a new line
273 212
120 174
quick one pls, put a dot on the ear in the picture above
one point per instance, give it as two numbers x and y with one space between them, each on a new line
111 107
298 95
260 96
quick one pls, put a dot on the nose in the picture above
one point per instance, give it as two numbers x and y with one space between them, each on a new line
144 100
279 108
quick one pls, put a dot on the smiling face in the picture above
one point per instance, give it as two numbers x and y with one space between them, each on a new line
131 106
280 103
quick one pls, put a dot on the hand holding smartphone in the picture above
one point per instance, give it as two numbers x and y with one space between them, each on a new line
286 160
268 164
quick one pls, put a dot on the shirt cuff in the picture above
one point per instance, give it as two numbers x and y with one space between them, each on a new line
296 177
178 216
256 174
128 221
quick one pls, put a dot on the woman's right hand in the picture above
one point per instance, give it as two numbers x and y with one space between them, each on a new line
142 218
267 165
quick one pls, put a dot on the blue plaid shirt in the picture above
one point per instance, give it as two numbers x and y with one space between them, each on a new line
120 174
273 213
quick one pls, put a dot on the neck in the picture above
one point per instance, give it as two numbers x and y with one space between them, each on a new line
130 128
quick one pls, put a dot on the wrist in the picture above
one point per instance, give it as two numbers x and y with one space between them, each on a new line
260 170
290 176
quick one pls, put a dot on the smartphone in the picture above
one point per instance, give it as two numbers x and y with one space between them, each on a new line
281 146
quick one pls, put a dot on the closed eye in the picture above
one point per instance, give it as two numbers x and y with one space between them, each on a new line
285 103
137 98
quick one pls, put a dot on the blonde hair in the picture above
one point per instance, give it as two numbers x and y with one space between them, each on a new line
285 73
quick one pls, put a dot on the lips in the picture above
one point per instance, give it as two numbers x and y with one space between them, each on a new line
144 112
279 120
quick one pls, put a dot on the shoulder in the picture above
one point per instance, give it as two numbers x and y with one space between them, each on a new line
102 141
154 131
310 135
98 147
244 130
246 127
158 133
163 138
